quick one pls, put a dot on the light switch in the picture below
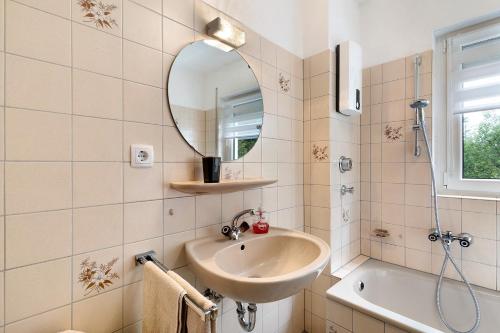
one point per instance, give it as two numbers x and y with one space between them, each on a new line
142 156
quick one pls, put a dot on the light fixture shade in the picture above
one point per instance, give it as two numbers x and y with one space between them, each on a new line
225 32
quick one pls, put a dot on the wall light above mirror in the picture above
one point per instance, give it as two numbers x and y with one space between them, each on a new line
215 101
226 33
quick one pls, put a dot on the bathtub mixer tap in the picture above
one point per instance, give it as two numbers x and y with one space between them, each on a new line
464 239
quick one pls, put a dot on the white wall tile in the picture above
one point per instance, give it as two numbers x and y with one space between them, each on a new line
2 26
37 136
51 321
479 206
96 51
26 292
33 238
142 64
208 210
2 78
142 184
97 139
179 215
100 314
142 25
97 183
37 85
175 35
132 303
480 225
97 95
180 11
38 35
96 228
143 220
37 186
142 103
57 7
173 248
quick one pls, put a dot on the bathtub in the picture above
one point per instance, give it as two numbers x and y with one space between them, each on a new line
405 298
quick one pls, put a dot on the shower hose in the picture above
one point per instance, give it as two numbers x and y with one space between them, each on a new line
448 256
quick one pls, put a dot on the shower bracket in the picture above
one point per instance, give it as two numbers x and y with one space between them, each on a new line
417 150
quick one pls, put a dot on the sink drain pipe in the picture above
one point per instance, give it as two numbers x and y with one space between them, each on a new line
252 316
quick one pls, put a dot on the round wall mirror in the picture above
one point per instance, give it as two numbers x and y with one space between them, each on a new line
215 101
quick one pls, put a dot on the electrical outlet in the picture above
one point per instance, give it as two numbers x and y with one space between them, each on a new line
142 156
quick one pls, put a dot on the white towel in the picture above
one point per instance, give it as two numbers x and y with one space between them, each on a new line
163 301
194 322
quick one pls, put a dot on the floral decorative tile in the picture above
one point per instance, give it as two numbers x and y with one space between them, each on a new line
99 13
320 153
393 133
284 82
96 278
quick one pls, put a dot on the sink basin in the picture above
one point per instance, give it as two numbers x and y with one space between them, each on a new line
258 268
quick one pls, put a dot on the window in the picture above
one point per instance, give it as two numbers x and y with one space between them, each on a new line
468 150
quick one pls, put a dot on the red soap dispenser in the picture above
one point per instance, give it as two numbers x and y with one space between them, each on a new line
261 226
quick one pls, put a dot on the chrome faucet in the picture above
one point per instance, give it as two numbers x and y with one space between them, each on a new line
234 231
464 239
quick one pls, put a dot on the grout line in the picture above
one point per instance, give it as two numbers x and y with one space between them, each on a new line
163 134
80 68
36 314
4 200
72 268
84 116
123 152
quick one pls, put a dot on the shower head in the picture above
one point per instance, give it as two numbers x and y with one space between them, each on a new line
419 104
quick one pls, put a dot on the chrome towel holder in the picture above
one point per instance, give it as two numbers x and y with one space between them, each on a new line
143 258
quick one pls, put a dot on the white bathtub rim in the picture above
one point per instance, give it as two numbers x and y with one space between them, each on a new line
342 293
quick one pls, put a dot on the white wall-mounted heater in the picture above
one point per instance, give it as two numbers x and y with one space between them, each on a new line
348 78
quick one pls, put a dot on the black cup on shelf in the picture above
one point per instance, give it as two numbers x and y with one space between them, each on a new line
211 169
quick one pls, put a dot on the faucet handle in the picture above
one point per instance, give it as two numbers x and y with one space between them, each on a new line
464 239
226 231
434 235
244 226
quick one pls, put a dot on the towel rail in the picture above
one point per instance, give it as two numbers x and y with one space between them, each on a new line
143 258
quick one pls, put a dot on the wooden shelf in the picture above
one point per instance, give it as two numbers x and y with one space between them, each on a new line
225 186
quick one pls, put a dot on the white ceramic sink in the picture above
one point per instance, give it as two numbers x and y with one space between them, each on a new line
258 268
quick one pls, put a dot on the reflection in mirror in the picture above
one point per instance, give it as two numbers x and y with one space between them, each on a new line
215 101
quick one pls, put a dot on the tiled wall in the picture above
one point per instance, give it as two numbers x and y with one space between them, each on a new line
395 185
328 135
76 90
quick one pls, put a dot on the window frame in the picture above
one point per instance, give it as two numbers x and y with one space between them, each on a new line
447 133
